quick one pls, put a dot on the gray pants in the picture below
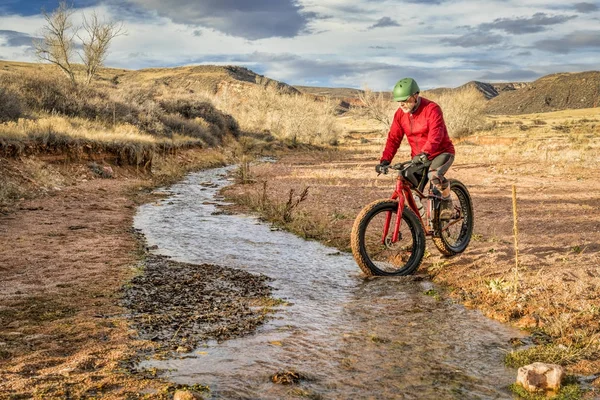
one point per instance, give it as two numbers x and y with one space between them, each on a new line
439 166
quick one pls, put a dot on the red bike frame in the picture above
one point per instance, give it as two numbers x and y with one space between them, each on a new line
404 194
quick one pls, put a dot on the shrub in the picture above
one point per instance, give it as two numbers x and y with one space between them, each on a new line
377 107
139 107
220 122
293 117
463 110
10 105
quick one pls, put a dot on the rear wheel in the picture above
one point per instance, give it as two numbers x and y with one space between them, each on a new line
453 236
376 255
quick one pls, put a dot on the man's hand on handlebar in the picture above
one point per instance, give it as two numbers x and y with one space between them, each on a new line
420 158
382 167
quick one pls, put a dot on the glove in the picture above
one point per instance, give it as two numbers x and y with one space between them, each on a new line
382 167
420 158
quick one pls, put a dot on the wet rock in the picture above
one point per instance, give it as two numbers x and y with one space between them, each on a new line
540 377
107 172
183 349
288 377
222 212
160 193
101 171
186 395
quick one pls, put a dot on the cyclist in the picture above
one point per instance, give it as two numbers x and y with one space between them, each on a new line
422 122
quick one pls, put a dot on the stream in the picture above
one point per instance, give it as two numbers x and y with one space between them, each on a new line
347 336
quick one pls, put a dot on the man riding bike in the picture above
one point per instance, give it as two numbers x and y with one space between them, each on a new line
422 122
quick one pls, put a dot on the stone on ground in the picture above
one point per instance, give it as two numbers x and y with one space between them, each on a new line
540 377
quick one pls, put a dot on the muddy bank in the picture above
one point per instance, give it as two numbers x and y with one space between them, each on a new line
178 305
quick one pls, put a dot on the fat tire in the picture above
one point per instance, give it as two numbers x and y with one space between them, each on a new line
358 234
466 205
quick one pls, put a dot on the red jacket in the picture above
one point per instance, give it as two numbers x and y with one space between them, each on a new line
425 131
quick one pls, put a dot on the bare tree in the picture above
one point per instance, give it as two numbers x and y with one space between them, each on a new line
57 44
95 45
377 106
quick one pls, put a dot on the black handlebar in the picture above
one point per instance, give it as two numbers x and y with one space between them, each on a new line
403 166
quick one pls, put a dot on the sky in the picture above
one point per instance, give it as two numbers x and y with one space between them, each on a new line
337 43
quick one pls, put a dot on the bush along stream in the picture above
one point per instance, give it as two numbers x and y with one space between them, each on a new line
334 334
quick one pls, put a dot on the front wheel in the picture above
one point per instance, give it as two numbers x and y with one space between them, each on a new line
453 236
376 254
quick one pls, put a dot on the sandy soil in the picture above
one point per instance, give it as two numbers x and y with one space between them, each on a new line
558 287
64 258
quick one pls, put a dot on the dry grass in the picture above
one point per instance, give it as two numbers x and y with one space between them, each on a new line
146 111
291 118
285 213
463 111
79 139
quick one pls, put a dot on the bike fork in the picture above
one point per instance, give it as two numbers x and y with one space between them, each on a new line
386 228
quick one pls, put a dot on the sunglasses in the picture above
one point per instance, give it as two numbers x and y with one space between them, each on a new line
408 100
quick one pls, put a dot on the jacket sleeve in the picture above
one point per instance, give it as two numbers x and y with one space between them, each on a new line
437 131
394 138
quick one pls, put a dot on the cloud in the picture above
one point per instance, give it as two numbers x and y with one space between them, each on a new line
257 19
517 26
384 23
300 70
512 75
578 40
16 39
474 39
585 7
426 1
35 7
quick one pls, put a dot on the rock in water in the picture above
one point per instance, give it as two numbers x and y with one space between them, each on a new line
539 376
186 395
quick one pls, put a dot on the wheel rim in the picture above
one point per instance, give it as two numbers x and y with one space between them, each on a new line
388 257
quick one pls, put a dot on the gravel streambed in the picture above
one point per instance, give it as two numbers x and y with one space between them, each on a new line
179 305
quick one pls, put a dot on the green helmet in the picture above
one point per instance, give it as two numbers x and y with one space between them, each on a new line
405 88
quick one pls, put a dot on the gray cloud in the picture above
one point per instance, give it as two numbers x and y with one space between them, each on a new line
252 20
516 26
16 39
384 23
474 39
585 7
578 40
382 47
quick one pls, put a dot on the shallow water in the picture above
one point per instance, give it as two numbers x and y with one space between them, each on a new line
350 337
